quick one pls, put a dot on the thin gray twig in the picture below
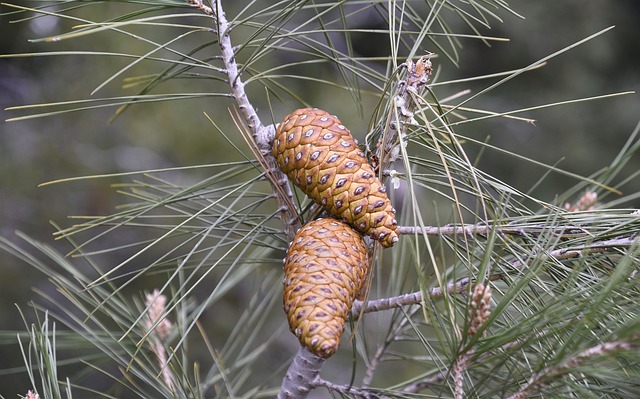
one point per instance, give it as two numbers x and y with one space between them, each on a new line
301 376
262 135
460 285
544 377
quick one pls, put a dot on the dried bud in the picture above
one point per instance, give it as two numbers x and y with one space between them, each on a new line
158 304
419 72
479 308
586 203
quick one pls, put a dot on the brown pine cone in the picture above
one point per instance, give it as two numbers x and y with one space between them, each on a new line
325 268
322 158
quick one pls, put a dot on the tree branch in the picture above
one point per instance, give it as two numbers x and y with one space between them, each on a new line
484 230
413 298
262 135
301 376
546 376
351 391
460 285
305 366
426 383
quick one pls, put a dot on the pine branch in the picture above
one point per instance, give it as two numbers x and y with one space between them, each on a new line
460 285
426 383
543 378
587 249
349 390
305 367
483 229
302 375
262 135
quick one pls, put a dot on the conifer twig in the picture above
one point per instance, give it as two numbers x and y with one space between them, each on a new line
543 378
262 135
350 390
305 366
425 383
301 376
460 285
483 229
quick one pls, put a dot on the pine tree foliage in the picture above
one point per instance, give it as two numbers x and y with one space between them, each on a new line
490 292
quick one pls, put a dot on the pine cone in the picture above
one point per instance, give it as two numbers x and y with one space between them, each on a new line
322 158
325 268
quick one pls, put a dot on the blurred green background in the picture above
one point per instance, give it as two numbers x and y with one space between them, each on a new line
582 138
